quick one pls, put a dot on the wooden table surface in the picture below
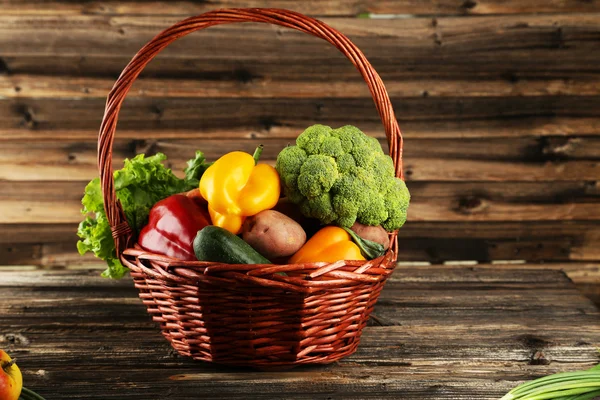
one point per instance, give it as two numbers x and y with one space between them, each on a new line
436 333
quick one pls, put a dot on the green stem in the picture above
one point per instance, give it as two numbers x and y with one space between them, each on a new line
562 388
530 386
587 396
578 385
27 394
557 394
257 153
563 382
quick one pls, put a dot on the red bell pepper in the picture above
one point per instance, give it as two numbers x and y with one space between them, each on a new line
172 226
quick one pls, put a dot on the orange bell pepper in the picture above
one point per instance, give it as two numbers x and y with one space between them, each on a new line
329 244
236 188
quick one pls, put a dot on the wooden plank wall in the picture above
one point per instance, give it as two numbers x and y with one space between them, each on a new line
499 101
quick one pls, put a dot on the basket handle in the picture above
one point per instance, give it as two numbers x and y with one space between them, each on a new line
121 231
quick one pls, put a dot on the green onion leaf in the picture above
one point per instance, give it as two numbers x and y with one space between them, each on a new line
579 385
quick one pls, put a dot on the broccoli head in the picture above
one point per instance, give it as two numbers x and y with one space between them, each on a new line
341 176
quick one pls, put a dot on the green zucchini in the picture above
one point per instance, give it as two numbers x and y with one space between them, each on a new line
213 243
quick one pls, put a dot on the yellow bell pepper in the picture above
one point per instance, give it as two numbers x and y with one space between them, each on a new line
329 244
236 188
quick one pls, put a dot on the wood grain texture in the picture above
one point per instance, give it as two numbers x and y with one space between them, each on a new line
585 275
510 46
550 159
497 63
54 202
311 7
498 102
54 245
267 128
209 113
65 87
435 334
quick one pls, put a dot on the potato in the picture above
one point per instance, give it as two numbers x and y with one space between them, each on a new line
273 234
373 233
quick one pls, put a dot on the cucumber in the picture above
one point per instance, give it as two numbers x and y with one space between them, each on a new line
213 243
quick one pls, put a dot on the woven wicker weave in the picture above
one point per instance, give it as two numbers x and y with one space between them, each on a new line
249 315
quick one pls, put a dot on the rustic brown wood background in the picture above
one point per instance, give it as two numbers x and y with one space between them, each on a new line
499 101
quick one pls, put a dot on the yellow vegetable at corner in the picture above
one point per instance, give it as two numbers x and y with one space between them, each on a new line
329 244
236 188
11 380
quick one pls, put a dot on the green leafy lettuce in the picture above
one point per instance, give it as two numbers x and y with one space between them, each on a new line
141 183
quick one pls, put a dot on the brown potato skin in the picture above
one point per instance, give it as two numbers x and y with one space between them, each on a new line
273 234
373 233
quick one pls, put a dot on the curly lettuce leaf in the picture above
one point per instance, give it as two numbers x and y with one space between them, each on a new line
141 183
195 169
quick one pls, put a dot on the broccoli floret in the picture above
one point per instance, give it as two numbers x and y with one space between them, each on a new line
375 212
320 208
342 176
289 162
345 163
351 137
311 139
383 168
396 199
294 195
346 210
349 196
374 144
317 175
364 156
331 146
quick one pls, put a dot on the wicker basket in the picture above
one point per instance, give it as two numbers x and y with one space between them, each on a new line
249 315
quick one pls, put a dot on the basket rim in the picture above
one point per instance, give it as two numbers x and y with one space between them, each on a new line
302 277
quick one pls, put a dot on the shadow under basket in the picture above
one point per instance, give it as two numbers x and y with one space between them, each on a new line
262 316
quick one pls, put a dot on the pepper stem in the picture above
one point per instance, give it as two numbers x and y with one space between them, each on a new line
257 153
7 364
